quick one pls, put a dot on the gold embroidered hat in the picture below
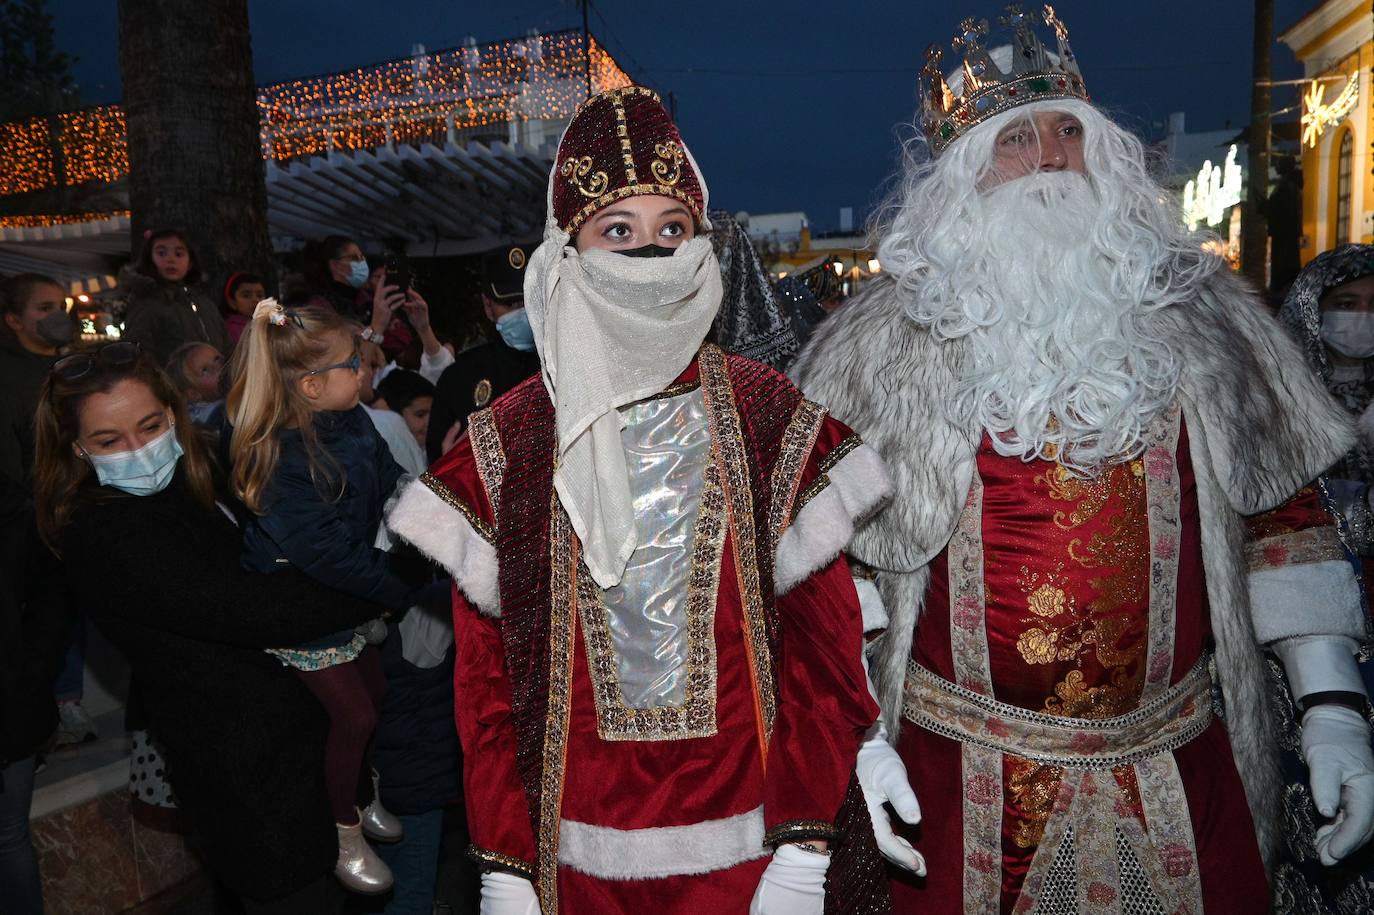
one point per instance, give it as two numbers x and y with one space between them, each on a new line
1032 74
620 144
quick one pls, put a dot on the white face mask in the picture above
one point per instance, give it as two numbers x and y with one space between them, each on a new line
143 471
1350 333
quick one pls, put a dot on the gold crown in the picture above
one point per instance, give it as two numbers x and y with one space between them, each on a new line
987 90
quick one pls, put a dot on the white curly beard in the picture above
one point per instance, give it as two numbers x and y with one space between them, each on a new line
1063 367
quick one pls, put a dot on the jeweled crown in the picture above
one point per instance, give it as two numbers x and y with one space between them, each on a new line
1036 75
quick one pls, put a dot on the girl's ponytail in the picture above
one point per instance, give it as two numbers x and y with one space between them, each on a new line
276 348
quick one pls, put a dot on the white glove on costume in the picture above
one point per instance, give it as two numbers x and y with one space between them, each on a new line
1335 741
793 883
507 894
882 776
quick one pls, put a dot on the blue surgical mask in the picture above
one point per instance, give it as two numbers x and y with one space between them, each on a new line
141 472
514 328
358 273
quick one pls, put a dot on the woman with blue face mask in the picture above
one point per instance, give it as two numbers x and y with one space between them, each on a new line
337 271
123 493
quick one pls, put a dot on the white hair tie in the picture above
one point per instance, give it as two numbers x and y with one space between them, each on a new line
271 310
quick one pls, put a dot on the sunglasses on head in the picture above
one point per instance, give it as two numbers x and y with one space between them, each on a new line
108 355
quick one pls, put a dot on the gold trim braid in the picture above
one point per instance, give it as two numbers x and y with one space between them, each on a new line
797 443
440 489
490 860
562 625
696 716
723 421
799 830
490 457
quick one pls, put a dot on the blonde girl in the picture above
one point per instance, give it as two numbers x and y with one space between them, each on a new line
314 474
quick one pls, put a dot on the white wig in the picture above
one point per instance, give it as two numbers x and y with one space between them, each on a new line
1051 277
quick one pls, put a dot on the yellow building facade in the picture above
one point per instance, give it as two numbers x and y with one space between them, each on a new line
1335 43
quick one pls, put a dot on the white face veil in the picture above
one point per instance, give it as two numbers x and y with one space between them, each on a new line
611 330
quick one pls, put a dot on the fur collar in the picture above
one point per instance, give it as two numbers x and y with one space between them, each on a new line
1270 424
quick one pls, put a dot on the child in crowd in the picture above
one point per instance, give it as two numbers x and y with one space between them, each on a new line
242 293
310 467
407 393
197 369
167 306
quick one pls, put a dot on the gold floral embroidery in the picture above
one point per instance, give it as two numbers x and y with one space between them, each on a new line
667 168
1062 629
1047 600
578 171
696 715
1033 788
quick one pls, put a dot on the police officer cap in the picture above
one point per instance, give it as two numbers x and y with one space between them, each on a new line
503 271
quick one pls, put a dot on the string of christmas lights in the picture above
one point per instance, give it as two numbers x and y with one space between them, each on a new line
428 98
25 157
38 221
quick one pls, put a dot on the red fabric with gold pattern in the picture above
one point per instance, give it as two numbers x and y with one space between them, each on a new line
1304 511
620 144
1066 575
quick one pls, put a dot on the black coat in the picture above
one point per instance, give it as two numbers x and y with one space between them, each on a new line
476 378
244 739
32 626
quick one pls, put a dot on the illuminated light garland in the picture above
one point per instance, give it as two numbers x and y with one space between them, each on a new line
94 146
42 220
1318 114
25 159
413 100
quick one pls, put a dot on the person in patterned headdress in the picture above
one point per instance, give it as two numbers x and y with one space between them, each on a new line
1104 519
1329 309
659 686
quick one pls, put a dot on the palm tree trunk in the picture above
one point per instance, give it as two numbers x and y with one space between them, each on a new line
195 157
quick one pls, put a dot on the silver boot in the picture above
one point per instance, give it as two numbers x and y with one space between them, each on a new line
359 869
380 824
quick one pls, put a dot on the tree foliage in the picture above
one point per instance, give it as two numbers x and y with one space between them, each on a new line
36 76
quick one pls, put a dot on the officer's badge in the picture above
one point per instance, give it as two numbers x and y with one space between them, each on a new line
481 395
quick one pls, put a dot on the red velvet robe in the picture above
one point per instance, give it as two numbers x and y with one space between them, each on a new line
1067 580
799 773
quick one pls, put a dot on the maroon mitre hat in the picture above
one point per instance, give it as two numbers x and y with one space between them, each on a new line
619 144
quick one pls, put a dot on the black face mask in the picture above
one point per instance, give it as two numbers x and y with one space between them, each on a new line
648 251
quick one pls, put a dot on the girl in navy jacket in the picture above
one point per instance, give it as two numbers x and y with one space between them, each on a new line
311 468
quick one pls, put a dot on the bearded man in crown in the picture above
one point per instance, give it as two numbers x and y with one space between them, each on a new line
1105 519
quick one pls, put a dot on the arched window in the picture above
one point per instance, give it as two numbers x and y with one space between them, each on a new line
1343 168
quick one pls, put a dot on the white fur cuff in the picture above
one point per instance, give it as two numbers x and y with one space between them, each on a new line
858 483
663 851
444 534
1310 598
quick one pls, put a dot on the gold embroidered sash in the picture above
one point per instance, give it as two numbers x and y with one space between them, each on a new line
1176 716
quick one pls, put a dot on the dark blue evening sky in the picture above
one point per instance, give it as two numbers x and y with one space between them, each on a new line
787 106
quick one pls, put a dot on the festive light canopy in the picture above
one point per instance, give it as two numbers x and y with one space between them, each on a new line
476 90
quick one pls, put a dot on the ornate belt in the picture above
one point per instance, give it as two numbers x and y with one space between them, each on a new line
1175 717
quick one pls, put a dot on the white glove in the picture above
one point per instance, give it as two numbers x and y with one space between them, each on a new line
1336 746
507 894
793 883
883 778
